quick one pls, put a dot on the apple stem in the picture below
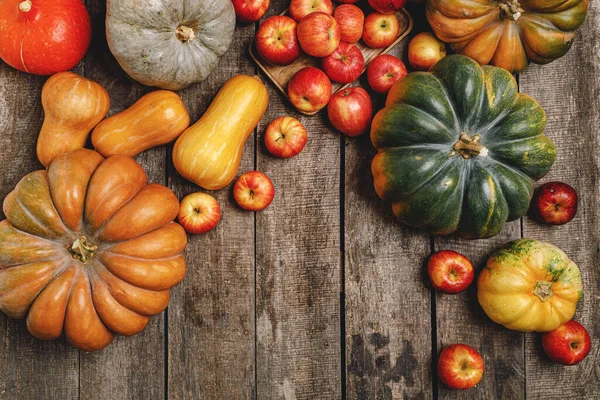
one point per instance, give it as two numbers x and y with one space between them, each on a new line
25 6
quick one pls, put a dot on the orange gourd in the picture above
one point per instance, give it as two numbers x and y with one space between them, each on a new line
73 106
89 249
155 119
209 152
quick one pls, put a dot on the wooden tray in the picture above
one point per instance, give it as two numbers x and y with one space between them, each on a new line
281 75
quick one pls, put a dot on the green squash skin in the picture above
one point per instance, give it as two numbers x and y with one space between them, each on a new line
433 187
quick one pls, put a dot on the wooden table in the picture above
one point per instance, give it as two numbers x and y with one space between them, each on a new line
322 295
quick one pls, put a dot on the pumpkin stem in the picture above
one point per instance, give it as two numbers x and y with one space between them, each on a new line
184 33
82 250
25 6
543 290
511 9
469 147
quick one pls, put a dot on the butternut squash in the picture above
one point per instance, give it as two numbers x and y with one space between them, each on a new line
208 153
155 119
73 106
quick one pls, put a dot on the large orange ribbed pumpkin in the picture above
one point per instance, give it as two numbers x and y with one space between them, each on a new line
89 248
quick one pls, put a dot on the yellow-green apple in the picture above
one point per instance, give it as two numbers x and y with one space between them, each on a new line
276 40
460 366
384 71
387 6
450 272
350 19
424 50
285 137
250 10
380 30
345 64
199 213
554 203
301 8
309 90
253 191
318 34
568 344
350 111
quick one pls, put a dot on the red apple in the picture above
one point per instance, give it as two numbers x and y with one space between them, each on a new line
250 10
554 203
387 6
424 50
568 344
350 111
345 64
309 90
450 272
199 213
285 137
350 19
384 71
276 40
318 34
301 8
253 191
460 366
380 30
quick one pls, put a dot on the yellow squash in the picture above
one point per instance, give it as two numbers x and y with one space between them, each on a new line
208 153
155 119
529 285
73 106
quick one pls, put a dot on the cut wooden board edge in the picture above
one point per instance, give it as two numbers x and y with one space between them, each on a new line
306 60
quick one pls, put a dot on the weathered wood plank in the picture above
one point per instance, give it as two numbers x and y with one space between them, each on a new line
460 319
211 316
29 368
568 91
298 263
388 304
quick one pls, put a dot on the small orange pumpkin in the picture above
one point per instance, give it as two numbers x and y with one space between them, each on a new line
89 248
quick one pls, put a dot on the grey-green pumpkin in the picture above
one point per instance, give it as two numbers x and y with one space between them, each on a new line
459 149
169 44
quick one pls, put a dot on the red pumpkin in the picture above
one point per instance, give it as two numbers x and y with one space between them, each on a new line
43 37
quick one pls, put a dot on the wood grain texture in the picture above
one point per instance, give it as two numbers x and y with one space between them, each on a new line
460 319
568 89
211 316
298 264
131 366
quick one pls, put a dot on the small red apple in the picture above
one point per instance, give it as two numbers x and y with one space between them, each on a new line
285 137
424 50
568 344
351 19
350 111
318 34
301 8
309 90
276 40
384 71
460 366
387 6
199 213
253 191
554 203
250 10
345 64
450 272
380 30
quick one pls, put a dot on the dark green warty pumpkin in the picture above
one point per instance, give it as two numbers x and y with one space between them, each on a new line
459 149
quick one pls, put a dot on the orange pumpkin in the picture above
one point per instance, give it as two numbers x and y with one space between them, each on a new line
508 33
89 248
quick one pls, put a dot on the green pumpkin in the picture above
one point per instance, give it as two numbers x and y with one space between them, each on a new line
459 149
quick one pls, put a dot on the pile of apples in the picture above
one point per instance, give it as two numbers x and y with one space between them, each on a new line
316 28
